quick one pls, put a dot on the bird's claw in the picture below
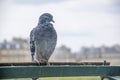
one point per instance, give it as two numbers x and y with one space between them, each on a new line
38 62
48 64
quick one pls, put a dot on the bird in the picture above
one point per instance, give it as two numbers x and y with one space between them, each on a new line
43 39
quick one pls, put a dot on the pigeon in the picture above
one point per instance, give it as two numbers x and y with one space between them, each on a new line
43 39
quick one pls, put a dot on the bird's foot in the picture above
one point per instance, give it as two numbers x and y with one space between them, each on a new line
48 64
38 62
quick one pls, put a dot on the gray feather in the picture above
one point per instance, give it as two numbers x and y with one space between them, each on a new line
43 38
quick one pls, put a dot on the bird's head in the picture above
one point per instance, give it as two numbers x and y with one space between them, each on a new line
46 18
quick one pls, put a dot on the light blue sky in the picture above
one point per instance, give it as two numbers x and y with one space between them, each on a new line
77 22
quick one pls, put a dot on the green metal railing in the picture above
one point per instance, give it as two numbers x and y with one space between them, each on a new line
32 70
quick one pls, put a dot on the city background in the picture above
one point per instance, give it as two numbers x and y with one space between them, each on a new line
88 31
17 50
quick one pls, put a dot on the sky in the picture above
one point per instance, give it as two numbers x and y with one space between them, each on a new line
77 22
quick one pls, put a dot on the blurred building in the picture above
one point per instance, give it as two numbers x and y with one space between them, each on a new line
101 52
111 54
16 50
62 54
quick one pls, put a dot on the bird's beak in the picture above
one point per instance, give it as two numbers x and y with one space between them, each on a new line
53 21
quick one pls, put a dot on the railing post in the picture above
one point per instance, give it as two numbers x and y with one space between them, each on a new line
104 63
108 77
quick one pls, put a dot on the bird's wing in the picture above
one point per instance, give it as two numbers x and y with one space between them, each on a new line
32 42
